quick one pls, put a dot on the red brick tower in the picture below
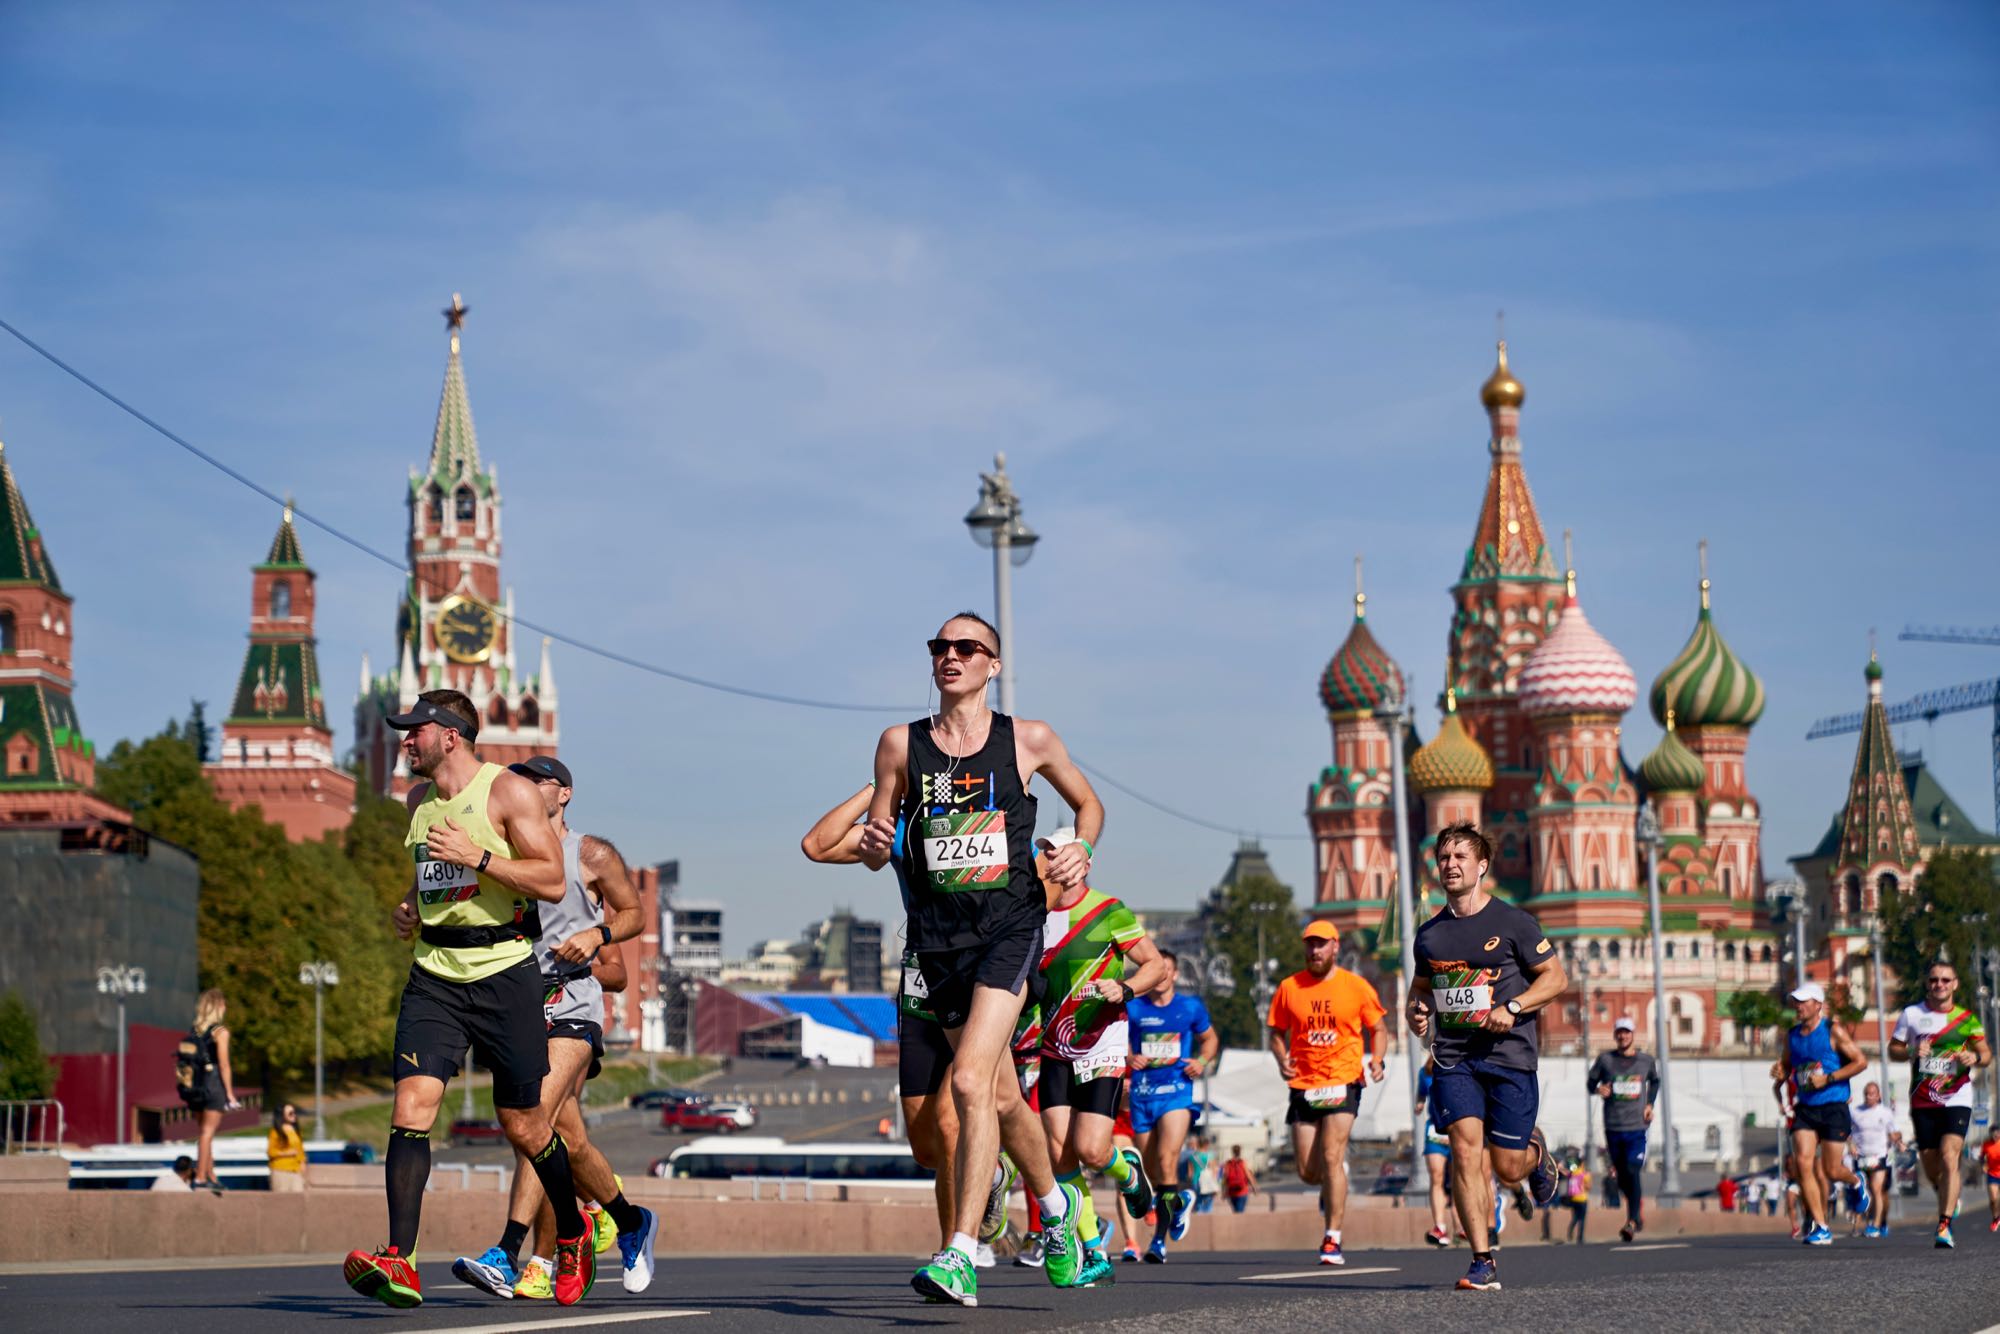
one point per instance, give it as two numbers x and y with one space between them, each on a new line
1508 596
454 627
46 765
277 749
1349 807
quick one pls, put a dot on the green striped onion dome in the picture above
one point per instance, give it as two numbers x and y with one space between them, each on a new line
1707 685
1451 760
1672 767
1361 677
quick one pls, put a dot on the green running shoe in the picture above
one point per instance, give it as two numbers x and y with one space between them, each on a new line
994 1225
1062 1248
949 1277
1138 1195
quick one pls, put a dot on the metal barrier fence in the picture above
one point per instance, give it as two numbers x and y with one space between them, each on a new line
26 1123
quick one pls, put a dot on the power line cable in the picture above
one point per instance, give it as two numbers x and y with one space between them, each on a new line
596 650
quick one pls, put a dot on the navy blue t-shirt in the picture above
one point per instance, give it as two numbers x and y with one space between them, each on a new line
1165 1032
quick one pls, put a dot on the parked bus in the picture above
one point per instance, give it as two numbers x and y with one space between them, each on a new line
738 1157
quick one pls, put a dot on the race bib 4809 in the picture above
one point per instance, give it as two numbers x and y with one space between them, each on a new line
443 882
966 850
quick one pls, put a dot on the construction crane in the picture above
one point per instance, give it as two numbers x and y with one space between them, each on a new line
1926 707
1953 634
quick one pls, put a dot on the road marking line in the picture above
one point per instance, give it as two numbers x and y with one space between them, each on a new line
1656 1246
1323 1271
570 1321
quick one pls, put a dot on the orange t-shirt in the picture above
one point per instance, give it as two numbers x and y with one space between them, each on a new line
1992 1151
1325 1017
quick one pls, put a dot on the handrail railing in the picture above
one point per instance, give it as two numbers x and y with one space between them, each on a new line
25 1124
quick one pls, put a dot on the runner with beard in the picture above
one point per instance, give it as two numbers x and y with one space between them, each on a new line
958 780
1945 1043
1484 969
1628 1082
485 854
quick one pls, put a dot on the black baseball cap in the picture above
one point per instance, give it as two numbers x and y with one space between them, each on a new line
423 711
543 766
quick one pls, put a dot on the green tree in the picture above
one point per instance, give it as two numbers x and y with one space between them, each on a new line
1952 912
1755 1013
24 1071
268 904
1232 925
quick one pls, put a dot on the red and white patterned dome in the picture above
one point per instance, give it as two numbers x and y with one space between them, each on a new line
1575 670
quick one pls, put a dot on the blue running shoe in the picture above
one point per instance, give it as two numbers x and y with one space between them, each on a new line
636 1248
1543 1179
1860 1198
1819 1234
1484 1276
1944 1240
1156 1254
1180 1212
492 1272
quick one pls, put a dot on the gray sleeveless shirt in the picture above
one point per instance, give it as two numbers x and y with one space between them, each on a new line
575 911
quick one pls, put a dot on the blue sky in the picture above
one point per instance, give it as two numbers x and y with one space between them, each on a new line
757 291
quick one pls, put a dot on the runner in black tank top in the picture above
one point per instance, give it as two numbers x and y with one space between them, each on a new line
960 781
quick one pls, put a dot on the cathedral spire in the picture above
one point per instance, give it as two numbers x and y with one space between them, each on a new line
1878 833
454 444
1508 541
23 559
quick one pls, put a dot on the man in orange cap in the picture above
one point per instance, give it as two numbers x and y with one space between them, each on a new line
1323 1020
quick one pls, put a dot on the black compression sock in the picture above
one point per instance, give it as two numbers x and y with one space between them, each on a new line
511 1239
624 1213
1482 1255
408 1168
552 1166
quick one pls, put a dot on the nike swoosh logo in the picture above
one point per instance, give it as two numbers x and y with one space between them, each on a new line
410 1056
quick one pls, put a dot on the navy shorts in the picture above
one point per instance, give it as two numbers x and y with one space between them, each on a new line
1148 1108
1506 1100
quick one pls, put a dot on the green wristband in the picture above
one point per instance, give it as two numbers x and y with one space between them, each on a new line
1088 851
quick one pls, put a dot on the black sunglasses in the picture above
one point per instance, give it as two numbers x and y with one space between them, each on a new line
966 647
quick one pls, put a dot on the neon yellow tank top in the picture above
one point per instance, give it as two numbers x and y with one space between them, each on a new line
449 895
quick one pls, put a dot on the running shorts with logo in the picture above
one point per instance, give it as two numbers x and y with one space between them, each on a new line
498 1017
1165 1035
573 1007
1505 1099
1626 1148
1062 1085
1831 1121
1932 1124
1313 1105
923 1052
1148 1108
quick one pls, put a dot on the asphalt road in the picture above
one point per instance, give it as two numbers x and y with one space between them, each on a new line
1732 1284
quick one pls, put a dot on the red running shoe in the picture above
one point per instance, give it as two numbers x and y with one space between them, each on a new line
386 1276
576 1268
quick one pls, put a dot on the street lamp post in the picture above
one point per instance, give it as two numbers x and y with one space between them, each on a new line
996 522
319 974
1406 906
119 981
1670 1171
1579 961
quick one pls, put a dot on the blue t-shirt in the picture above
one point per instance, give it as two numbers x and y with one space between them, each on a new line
1164 1032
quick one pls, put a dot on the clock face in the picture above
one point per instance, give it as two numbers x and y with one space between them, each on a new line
466 630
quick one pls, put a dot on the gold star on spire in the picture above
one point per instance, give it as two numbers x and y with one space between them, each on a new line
454 317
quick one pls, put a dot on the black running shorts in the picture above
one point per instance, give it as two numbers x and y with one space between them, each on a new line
498 1017
923 1055
1831 1121
1003 963
1300 1112
1059 1087
1934 1123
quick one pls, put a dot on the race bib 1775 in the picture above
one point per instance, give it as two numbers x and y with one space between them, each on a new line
966 850
1160 1046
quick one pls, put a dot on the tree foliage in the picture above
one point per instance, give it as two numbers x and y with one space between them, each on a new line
24 1072
1952 912
1755 1013
268 905
1232 926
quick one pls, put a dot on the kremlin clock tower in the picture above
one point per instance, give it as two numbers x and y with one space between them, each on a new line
455 627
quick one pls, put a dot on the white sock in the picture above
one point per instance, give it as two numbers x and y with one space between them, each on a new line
1333 1236
964 1245
1053 1205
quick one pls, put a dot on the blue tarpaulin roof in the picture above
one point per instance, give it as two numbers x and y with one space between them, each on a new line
871 1016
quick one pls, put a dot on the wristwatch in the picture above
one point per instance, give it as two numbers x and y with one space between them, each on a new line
1126 987
1513 1007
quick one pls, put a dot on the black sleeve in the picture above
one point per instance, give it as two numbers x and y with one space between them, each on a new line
1596 1075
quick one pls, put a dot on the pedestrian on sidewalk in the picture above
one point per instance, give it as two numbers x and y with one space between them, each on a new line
285 1150
206 1083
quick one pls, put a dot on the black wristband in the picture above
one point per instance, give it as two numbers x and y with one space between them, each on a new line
484 858
1129 993
605 927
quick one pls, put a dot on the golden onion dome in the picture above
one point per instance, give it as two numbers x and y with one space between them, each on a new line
1501 389
1451 760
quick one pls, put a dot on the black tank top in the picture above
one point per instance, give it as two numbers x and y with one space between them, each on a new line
969 841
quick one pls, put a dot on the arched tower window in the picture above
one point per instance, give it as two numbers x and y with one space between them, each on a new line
1728 880
497 715
467 506
437 508
281 599
1596 876
530 715
1885 884
8 643
1729 952
1764 955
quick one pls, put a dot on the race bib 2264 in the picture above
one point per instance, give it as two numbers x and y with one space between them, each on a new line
966 850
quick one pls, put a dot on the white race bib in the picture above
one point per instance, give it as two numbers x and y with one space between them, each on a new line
913 983
1627 1088
1327 1095
1160 1046
966 850
1937 1067
1463 1001
1097 1067
444 882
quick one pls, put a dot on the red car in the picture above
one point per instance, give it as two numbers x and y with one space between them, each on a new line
698 1118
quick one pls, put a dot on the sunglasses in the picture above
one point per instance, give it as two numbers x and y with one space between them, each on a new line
966 648
1942 981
